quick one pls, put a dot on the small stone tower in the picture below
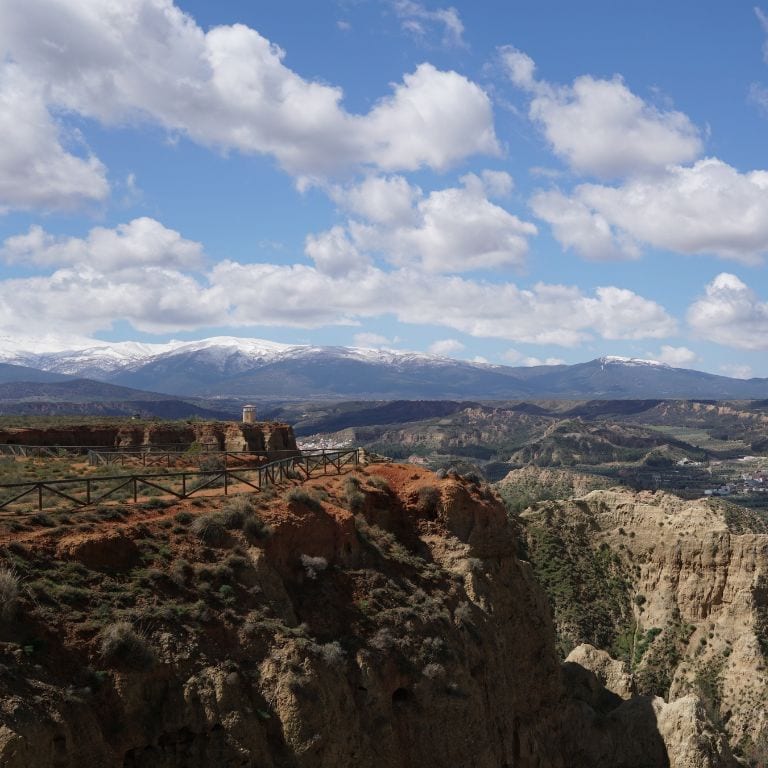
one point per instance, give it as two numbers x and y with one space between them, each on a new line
249 414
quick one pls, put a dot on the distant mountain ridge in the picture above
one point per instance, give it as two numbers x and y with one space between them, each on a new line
16 373
254 368
28 391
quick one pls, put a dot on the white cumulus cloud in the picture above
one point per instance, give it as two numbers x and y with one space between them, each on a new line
446 347
450 230
37 170
519 66
138 272
677 357
387 200
578 227
333 253
545 314
730 313
147 61
599 127
143 242
80 300
518 358
369 340
706 208
737 370
664 195
417 19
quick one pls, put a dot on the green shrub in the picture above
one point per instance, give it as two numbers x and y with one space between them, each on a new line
227 594
240 505
9 593
155 503
181 571
232 519
122 646
211 462
377 481
332 653
643 643
302 497
237 562
428 499
313 565
255 528
209 528
354 496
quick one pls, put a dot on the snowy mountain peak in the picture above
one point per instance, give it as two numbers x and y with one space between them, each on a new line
21 347
101 359
233 344
630 361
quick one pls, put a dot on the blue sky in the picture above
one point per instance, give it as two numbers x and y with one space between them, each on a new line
518 182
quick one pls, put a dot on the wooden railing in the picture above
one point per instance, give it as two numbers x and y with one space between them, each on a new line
86 490
41 451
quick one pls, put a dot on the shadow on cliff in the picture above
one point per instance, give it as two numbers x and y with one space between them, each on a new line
602 729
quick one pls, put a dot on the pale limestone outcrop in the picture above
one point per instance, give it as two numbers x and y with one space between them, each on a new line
699 572
611 673
689 736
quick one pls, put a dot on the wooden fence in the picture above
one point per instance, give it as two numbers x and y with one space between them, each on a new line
83 491
42 451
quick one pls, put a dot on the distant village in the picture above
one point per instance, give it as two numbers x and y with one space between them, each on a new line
322 443
752 479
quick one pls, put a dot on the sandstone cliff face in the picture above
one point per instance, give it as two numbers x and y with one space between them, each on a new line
552 483
696 576
380 620
225 435
638 730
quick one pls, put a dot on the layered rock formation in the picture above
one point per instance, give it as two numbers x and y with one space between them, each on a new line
374 620
221 435
694 578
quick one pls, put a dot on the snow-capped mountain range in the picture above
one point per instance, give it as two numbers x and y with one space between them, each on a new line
102 359
259 369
